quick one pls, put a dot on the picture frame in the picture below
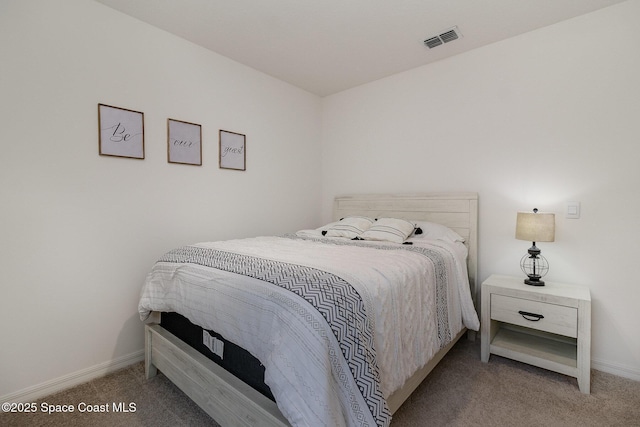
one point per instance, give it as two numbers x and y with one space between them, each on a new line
232 153
120 132
184 142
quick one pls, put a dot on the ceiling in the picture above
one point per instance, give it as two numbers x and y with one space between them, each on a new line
326 46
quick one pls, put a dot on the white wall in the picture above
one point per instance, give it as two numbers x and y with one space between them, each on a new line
535 121
79 231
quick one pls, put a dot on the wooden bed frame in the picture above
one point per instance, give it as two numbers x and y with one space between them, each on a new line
230 401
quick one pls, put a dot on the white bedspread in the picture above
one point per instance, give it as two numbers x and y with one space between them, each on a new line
292 339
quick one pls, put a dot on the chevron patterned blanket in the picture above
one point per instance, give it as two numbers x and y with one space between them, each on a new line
335 299
326 318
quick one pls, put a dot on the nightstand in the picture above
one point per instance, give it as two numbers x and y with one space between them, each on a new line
546 326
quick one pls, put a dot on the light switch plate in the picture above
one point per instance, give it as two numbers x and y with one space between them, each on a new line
573 210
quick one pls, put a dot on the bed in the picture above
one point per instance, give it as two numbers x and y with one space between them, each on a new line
325 365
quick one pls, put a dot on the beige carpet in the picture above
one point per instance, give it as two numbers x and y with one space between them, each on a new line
461 391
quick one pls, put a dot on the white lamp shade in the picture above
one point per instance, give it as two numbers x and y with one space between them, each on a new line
536 227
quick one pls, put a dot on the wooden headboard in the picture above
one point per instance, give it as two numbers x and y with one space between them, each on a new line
458 211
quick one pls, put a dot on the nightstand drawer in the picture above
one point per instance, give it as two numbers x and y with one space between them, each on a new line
557 319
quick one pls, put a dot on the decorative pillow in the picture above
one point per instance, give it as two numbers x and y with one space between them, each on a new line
350 227
390 230
431 230
309 233
316 232
327 226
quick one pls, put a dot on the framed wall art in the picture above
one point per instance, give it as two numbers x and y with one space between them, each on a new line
120 132
233 153
184 142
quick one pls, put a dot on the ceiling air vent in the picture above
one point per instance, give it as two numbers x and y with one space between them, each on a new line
433 42
445 37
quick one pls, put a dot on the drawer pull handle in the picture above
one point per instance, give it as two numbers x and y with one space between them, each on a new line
528 316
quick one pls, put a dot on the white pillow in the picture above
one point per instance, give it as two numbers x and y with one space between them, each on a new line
327 226
390 230
350 227
431 230
309 233
316 232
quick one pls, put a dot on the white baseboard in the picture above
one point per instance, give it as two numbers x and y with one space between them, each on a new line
55 385
35 392
616 369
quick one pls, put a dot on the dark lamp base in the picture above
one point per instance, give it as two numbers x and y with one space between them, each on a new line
534 281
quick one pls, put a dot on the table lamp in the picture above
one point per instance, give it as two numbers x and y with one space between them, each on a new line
535 227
